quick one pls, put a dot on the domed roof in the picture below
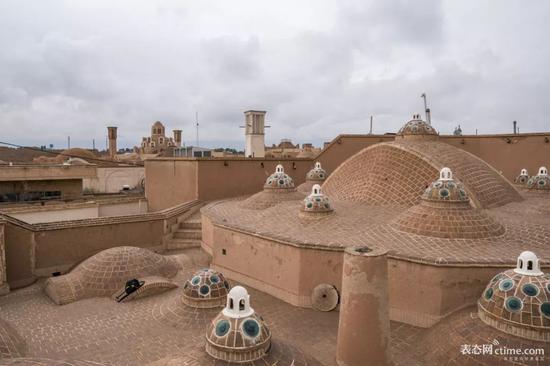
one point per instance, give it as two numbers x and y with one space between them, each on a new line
11 343
416 126
317 174
317 202
279 180
158 124
238 334
541 181
446 189
107 271
517 301
523 177
76 152
206 289
445 212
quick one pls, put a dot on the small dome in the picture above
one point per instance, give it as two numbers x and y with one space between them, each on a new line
541 181
416 126
446 188
279 180
517 301
445 212
523 177
317 202
317 174
206 289
238 334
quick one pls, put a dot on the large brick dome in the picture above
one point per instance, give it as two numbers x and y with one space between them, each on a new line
397 173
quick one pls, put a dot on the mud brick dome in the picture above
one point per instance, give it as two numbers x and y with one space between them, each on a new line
445 212
523 177
238 334
317 175
417 127
205 289
279 180
106 272
316 202
517 301
541 181
11 343
279 187
397 173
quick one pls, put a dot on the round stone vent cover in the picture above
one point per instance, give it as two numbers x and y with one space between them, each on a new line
324 297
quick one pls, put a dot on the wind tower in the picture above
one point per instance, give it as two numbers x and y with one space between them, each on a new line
112 134
254 134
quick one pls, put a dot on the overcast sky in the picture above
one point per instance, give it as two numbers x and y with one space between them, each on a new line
318 67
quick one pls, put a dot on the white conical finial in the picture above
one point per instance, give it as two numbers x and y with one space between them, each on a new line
279 169
238 303
528 264
543 171
445 174
317 165
524 172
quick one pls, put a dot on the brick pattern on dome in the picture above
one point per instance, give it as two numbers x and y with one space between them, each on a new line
539 182
441 344
416 127
270 198
11 343
106 272
518 304
205 289
485 186
152 285
448 220
381 175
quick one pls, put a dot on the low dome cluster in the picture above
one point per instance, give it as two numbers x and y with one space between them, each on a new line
517 301
279 179
206 289
317 174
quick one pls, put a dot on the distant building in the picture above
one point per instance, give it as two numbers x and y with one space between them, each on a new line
158 143
193 152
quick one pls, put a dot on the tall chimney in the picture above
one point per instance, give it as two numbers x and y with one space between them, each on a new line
177 137
364 306
112 141
515 127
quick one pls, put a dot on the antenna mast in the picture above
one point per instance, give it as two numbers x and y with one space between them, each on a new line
197 125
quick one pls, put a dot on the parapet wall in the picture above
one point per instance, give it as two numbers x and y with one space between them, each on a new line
34 250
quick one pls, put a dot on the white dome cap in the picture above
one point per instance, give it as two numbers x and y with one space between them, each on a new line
316 190
528 264
543 171
445 174
279 169
523 172
238 303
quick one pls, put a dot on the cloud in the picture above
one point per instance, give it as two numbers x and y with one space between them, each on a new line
319 68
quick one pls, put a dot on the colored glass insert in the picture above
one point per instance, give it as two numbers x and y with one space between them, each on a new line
545 309
251 328
222 327
489 293
530 289
204 290
196 280
505 285
513 304
214 279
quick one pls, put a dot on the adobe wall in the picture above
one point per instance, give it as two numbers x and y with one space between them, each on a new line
170 182
419 294
19 255
69 188
112 179
507 153
59 250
